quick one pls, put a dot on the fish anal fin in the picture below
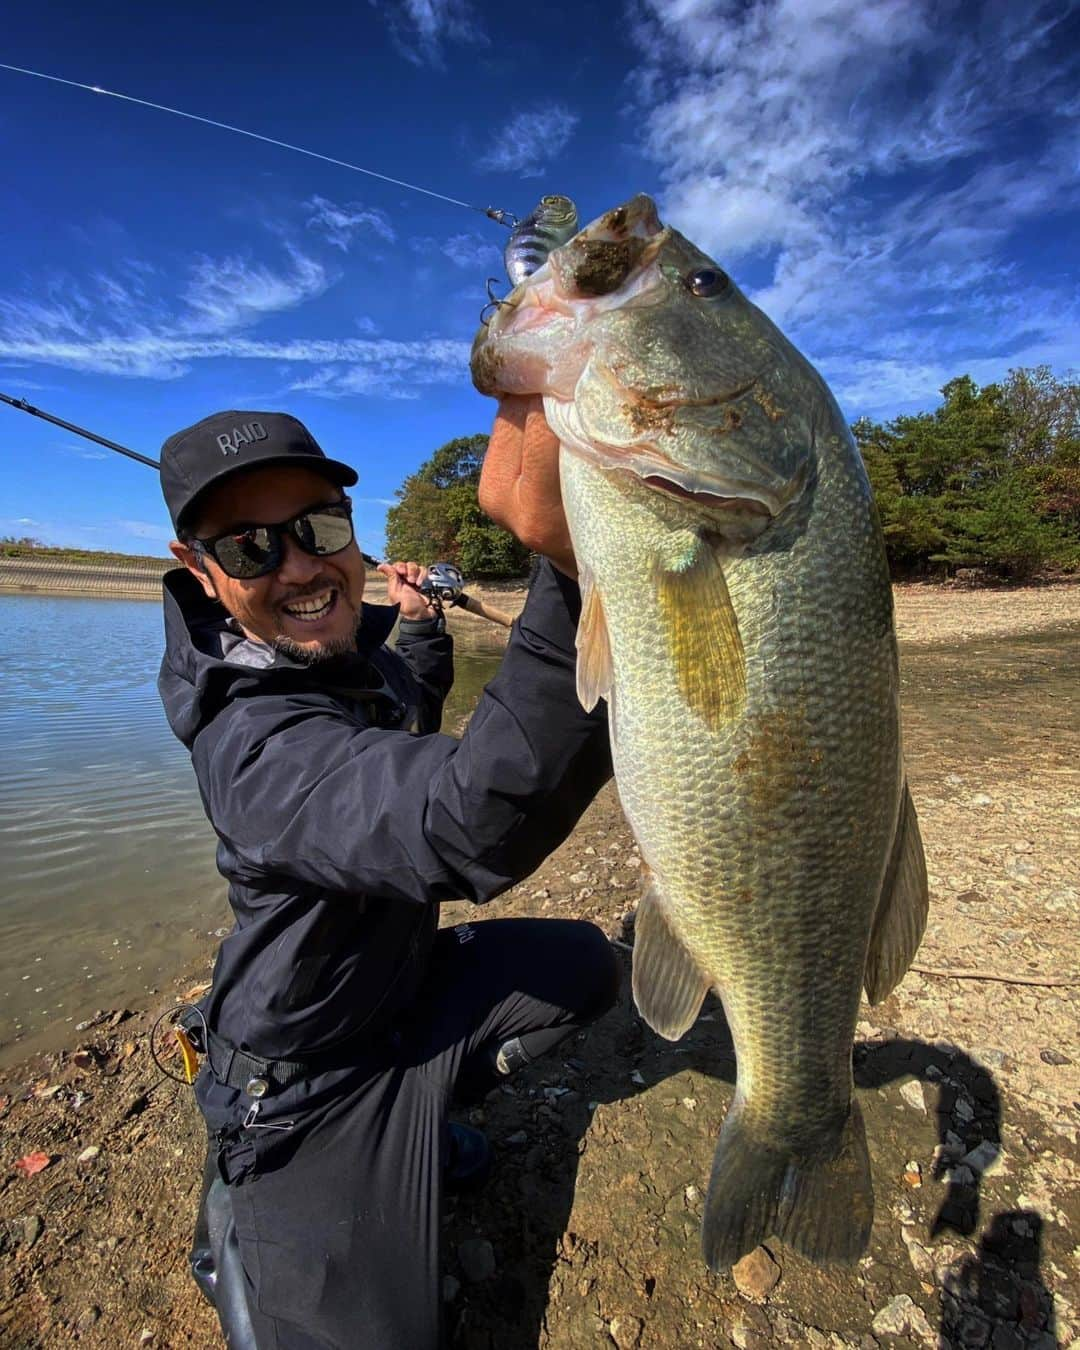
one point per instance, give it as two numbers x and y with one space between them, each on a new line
669 988
821 1202
901 913
594 668
702 630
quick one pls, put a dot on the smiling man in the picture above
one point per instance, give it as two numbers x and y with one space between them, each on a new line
342 1020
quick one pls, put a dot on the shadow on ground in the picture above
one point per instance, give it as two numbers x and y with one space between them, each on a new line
595 1230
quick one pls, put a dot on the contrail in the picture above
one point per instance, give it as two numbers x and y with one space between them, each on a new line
502 217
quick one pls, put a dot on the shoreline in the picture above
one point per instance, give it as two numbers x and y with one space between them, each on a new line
92 1247
926 620
926 612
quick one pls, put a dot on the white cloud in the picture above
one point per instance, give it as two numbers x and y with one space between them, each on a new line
127 324
345 365
420 28
341 225
228 293
380 367
877 159
472 250
528 142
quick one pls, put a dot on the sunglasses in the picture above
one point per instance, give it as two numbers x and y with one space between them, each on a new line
249 551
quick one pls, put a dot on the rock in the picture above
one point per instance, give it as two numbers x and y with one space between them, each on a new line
751 1330
88 1154
756 1275
964 1111
88 1318
912 1093
146 1336
919 1326
921 1260
982 799
626 1331
636 1077
579 878
973 1330
1051 1056
985 1159
477 1257
516 1140
451 1287
1006 1337
896 1317
33 1227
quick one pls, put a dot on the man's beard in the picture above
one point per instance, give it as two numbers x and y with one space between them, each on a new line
311 655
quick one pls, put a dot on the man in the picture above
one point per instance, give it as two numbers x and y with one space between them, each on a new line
341 1022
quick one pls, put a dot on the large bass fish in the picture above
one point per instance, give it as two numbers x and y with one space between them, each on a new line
737 617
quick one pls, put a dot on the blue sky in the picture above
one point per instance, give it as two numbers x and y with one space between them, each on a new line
894 181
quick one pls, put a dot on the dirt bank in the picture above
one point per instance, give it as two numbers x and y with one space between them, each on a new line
970 1090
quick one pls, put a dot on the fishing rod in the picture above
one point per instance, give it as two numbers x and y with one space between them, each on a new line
443 586
494 213
23 406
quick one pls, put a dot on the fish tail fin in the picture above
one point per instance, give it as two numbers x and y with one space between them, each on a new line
822 1204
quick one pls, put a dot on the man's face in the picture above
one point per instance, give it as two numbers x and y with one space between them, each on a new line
309 607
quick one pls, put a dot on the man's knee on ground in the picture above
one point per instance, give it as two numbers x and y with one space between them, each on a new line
602 973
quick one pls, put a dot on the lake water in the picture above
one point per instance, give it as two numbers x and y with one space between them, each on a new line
107 880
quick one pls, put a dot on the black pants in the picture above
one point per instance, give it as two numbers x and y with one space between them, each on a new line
338 1215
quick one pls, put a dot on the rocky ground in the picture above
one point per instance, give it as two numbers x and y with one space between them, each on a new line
587 1232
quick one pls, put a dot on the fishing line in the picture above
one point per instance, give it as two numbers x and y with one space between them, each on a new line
495 213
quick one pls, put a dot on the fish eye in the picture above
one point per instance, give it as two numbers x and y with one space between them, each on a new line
707 282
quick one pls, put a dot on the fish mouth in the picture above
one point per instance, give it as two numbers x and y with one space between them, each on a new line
715 500
758 492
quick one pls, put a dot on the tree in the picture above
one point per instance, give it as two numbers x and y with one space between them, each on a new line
989 478
438 517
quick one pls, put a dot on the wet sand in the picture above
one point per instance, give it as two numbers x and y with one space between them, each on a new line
969 1088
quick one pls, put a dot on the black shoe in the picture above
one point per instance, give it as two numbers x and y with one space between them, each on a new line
468 1158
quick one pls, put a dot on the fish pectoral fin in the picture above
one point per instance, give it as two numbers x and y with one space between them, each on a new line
669 987
901 913
702 630
594 668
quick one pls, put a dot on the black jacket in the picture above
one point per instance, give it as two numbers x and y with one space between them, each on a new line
339 833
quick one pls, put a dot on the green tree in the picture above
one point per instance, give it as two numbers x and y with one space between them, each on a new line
989 478
438 518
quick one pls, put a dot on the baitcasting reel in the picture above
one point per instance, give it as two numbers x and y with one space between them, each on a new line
443 584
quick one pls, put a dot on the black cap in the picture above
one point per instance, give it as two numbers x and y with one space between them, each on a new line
229 442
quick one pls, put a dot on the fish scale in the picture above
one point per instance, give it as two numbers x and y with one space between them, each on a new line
737 615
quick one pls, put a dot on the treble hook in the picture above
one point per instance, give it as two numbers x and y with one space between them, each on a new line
493 300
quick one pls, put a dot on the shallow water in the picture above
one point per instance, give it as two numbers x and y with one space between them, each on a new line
107 878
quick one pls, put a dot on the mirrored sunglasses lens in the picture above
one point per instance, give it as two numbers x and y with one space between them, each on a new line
322 533
246 555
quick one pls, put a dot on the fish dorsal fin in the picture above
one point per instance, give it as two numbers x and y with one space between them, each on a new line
594 669
703 635
902 908
668 986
